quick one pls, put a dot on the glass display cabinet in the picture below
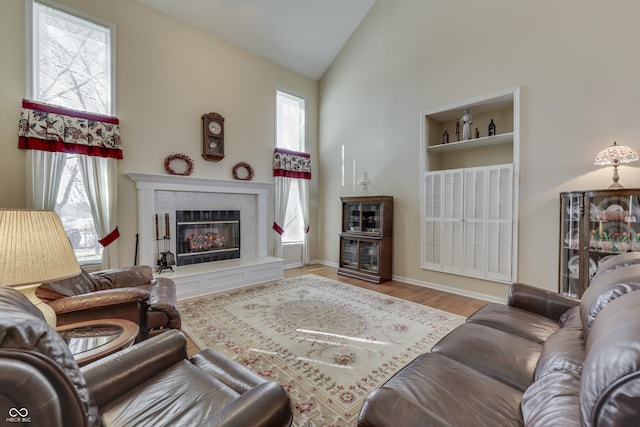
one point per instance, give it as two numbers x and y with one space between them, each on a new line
366 238
594 226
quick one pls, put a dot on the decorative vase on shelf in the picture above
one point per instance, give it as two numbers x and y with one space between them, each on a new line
492 128
445 137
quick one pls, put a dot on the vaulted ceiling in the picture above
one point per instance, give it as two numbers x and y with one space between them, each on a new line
302 35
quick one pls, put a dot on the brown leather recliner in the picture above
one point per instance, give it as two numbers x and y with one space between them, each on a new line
152 383
130 293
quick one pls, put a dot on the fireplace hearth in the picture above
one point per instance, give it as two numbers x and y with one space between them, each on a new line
207 236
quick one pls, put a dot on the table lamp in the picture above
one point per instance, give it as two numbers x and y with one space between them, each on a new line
616 155
365 182
34 248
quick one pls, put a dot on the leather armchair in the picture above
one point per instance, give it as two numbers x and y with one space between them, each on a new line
130 293
151 383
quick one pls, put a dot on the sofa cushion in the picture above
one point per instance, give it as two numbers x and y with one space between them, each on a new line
452 392
610 392
500 355
564 349
605 289
180 395
515 321
123 277
78 285
552 401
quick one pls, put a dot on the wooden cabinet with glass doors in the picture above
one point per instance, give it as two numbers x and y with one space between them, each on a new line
365 239
594 226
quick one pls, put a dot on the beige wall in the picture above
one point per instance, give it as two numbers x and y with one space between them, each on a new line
575 61
168 75
577 65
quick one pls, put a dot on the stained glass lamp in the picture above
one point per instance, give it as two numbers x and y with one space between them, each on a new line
34 248
616 155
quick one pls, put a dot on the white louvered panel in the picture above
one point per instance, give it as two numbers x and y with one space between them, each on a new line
474 193
433 248
452 245
499 238
433 220
500 192
499 250
475 248
433 190
453 194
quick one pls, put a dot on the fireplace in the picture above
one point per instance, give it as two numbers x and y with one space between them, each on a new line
206 236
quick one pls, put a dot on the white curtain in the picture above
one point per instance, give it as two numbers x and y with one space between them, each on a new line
100 180
283 185
44 171
304 204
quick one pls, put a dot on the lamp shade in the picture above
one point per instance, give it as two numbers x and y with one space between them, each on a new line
34 248
616 155
364 179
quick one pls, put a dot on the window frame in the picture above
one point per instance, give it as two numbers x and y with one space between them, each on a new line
304 141
31 72
30 49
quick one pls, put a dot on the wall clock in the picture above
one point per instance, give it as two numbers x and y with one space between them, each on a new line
212 137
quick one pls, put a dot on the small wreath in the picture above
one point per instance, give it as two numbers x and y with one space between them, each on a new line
247 175
172 160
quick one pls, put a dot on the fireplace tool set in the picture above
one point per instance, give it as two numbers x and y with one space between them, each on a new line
166 259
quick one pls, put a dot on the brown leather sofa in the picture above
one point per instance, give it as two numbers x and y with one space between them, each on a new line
152 383
130 293
541 360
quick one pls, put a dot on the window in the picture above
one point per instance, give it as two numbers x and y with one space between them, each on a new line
71 66
291 135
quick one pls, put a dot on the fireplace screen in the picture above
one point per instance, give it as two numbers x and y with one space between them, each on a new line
205 236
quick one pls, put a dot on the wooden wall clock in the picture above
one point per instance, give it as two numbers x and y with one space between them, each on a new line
212 137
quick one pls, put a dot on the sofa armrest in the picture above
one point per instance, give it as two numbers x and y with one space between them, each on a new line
231 373
266 405
55 402
115 375
540 301
99 299
163 298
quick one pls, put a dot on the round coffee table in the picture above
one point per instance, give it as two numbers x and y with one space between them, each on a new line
94 339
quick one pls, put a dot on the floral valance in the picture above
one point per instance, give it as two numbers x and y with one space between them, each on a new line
291 164
50 128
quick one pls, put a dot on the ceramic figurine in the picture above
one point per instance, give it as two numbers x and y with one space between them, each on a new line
466 125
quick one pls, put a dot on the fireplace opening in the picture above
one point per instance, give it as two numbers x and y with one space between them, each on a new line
206 236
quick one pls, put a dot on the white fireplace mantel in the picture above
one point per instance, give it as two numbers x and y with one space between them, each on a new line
214 276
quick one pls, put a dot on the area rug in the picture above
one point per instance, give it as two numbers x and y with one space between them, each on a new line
327 343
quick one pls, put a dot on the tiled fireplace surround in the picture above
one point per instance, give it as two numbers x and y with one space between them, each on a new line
160 194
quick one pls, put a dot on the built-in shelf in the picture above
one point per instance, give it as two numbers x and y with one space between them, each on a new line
463 174
504 138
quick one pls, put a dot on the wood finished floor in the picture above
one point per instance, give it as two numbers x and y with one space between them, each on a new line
457 304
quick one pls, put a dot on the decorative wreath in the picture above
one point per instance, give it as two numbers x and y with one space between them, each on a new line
247 174
171 161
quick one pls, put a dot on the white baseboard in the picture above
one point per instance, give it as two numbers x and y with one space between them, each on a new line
437 287
451 290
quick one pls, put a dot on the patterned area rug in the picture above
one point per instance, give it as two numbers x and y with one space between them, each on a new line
327 343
